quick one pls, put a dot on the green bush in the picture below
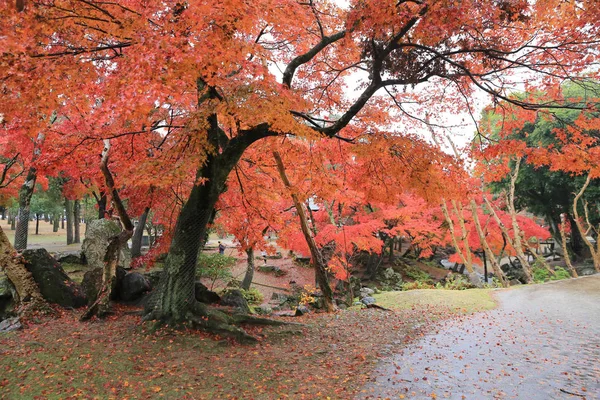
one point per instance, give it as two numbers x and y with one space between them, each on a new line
252 296
414 273
456 282
417 285
560 273
215 267
540 275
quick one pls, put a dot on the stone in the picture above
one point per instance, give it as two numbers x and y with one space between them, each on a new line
69 258
514 271
368 300
366 292
8 295
301 310
97 237
235 298
55 285
356 303
263 309
272 269
204 295
91 284
342 306
514 282
133 286
10 324
475 279
154 277
585 270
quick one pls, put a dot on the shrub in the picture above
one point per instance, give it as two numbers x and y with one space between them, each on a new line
543 275
215 267
560 273
253 296
540 274
455 282
417 285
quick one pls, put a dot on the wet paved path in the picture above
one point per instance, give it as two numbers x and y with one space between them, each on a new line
542 342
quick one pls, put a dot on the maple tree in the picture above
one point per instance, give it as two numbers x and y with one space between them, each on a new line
191 86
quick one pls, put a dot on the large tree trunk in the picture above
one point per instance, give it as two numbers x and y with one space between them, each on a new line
37 224
321 274
69 212
13 221
249 269
29 297
25 194
136 240
76 221
101 202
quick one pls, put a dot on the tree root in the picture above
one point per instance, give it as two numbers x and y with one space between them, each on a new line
219 322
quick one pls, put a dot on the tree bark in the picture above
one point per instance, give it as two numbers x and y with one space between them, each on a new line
136 241
29 297
563 237
76 221
484 244
37 224
101 202
69 212
56 221
249 269
13 222
321 274
595 252
25 194
465 260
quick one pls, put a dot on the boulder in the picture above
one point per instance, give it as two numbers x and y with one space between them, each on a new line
70 258
235 298
10 324
92 283
133 286
368 300
7 297
514 271
204 295
475 279
301 310
366 292
263 310
97 237
55 285
585 270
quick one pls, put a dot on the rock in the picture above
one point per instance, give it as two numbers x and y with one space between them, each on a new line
272 269
204 295
133 286
263 309
154 277
301 310
10 324
356 303
514 271
7 297
91 284
342 306
235 298
366 292
55 285
585 270
475 279
69 258
515 282
368 300
97 238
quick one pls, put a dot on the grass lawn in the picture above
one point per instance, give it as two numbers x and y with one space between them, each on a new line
331 356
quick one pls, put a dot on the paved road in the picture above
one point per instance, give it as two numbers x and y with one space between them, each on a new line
542 342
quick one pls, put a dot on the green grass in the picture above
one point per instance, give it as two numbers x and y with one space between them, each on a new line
468 301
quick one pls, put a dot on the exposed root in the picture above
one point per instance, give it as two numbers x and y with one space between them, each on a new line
219 322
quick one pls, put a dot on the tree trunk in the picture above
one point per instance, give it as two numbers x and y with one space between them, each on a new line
62 221
321 273
463 257
29 297
593 251
13 222
101 306
484 244
101 201
25 194
563 241
136 241
69 212
37 224
56 222
76 221
249 269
